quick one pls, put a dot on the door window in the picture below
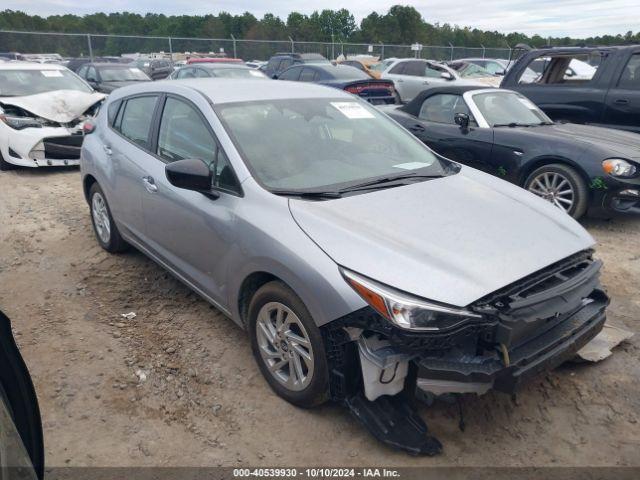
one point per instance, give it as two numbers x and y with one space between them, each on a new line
308 75
134 119
291 74
186 73
398 69
415 68
443 108
630 78
92 76
184 134
83 71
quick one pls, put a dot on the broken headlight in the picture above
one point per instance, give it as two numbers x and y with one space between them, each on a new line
407 311
18 122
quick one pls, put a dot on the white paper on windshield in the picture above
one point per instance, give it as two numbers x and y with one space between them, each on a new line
256 73
411 165
352 110
51 73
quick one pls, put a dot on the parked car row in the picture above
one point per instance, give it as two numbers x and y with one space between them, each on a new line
364 266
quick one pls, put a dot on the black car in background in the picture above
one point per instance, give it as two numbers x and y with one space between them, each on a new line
344 77
576 167
106 77
21 442
155 68
281 61
609 97
74 64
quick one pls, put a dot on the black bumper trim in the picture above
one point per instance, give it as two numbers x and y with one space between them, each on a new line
542 353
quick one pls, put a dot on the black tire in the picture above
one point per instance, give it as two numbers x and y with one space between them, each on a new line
575 180
113 243
317 390
4 165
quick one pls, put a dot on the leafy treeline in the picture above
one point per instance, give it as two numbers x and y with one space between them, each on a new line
400 25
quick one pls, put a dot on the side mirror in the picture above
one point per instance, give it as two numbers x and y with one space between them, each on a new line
274 76
190 174
501 73
462 120
446 76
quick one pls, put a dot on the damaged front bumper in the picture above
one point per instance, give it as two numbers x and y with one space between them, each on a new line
47 146
527 328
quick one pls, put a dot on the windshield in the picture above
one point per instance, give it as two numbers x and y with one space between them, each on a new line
15 83
302 144
131 74
505 108
237 73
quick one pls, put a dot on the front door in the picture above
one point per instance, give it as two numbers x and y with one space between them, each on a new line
190 231
622 106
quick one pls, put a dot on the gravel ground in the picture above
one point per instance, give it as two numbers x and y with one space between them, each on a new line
177 385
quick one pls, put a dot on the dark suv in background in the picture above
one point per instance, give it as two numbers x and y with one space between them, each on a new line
155 68
281 61
609 96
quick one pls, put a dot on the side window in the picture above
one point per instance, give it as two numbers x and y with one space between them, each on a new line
442 108
284 64
224 178
308 75
91 74
630 78
201 73
562 69
82 72
398 69
134 119
113 111
432 71
291 74
416 69
186 72
183 133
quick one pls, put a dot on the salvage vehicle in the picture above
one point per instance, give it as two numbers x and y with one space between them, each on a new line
106 77
363 63
469 70
576 167
413 75
363 265
21 439
42 110
223 70
344 77
610 97
281 61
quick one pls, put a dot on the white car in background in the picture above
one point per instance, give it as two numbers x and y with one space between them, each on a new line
42 111
413 75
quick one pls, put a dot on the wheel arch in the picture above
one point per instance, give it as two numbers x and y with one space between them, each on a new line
87 183
550 160
249 286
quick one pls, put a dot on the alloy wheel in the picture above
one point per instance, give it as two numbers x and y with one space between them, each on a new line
555 188
285 346
101 217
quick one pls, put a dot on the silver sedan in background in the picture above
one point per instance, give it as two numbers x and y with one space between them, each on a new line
361 263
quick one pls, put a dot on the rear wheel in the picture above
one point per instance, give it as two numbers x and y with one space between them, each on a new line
104 227
288 345
561 185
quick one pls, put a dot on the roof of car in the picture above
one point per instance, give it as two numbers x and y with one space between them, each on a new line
228 90
18 65
219 66
111 65
414 105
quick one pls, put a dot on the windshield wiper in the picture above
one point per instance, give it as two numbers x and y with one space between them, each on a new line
307 194
384 181
514 124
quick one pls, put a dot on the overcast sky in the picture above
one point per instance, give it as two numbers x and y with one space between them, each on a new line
574 18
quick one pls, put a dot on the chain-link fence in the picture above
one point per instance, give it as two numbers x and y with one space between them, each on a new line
177 48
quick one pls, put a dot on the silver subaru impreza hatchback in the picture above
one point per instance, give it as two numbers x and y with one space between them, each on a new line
365 267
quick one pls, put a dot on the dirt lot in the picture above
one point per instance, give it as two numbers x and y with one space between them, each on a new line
204 402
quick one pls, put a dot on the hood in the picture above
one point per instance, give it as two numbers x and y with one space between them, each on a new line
489 81
62 106
613 142
451 240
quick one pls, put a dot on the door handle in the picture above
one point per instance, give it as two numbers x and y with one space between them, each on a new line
107 149
417 128
621 101
150 184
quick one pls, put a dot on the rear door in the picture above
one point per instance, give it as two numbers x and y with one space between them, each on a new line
436 127
190 231
622 109
127 144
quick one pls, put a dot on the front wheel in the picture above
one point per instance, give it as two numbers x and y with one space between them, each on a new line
561 185
288 346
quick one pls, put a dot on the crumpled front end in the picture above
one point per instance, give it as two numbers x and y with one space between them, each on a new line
525 328
30 141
